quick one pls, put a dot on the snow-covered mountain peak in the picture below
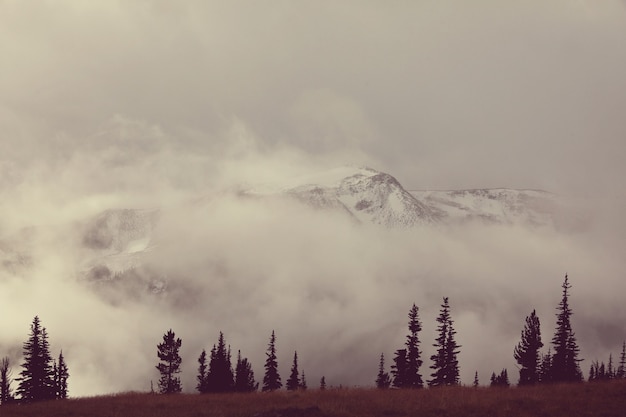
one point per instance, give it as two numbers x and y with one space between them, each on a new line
367 195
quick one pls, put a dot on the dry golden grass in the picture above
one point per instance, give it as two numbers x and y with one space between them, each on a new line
596 399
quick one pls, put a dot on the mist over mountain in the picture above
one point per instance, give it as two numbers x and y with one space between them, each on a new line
330 260
118 240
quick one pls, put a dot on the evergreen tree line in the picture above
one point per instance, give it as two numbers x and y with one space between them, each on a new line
599 372
559 364
216 372
41 378
44 378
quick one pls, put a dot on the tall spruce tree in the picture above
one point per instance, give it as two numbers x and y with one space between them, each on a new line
445 364
565 363
293 383
271 379
61 374
202 385
220 377
382 380
244 375
36 381
169 365
526 353
413 378
6 392
322 383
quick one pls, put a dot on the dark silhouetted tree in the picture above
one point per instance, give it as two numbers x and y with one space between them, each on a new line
597 372
244 375
475 383
399 368
36 381
545 367
382 380
501 380
271 379
169 365
413 378
445 364
303 385
407 362
621 368
220 377
6 392
323 383
610 371
592 371
526 353
293 383
61 374
202 385
565 363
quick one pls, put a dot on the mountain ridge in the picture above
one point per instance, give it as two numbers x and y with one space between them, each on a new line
117 240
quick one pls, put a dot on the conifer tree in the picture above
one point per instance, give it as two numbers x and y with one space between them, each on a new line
399 369
501 380
545 368
202 385
610 373
413 378
36 381
445 364
169 365
382 380
61 374
593 369
475 384
293 383
303 385
244 375
220 377
271 379
6 393
621 368
323 383
565 362
526 353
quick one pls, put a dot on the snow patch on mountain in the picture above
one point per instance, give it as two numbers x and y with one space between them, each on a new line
500 206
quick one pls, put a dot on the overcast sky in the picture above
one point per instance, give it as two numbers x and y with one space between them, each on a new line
150 103
442 94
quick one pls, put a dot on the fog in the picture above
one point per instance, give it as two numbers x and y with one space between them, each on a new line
178 107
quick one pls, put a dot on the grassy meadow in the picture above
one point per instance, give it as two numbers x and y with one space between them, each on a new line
585 399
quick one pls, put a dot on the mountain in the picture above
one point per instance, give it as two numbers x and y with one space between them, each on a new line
366 195
117 241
